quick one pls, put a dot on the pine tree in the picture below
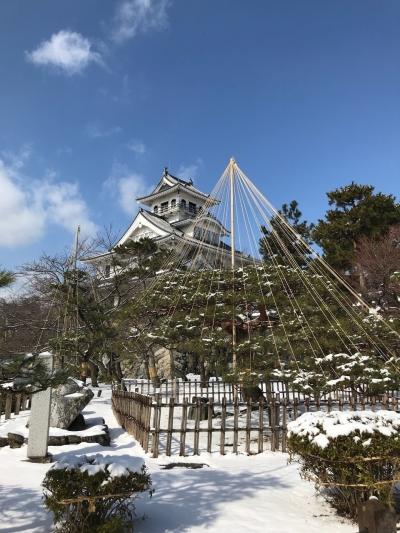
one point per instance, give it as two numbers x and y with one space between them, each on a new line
6 278
281 324
356 211
276 241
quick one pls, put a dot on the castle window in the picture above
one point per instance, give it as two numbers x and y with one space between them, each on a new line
192 207
173 203
156 209
164 207
107 271
183 204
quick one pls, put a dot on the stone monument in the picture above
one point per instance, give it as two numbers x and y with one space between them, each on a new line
40 416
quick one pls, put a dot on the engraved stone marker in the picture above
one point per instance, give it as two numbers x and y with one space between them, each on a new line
40 416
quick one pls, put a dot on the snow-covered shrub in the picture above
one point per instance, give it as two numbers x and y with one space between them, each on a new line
95 493
349 455
364 374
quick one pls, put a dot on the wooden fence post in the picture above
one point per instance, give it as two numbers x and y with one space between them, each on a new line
7 410
196 427
210 421
182 443
261 426
223 427
248 426
170 426
272 424
156 434
235 425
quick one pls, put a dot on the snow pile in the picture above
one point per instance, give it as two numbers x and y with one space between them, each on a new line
117 466
18 425
320 428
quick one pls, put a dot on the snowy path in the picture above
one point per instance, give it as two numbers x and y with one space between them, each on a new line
234 494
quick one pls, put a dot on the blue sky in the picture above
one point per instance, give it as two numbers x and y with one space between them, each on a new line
97 97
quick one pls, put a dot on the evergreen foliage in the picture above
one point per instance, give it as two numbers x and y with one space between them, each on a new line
356 211
350 456
113 512
283 328
275 236
6 278
28 374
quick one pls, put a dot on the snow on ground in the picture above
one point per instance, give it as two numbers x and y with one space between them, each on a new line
232 494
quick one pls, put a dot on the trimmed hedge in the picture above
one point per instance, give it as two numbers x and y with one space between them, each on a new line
349 455
95 493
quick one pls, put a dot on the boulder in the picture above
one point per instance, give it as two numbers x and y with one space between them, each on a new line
15 440
67 401
78 424
252 394
201 404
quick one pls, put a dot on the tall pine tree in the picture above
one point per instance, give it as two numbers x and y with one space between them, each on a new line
356 211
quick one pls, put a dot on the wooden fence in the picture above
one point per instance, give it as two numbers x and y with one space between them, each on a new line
218 389
13 402
188 428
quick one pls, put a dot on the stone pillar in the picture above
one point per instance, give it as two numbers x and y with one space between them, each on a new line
40 416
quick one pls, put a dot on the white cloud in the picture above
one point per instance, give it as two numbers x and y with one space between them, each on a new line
190 171
64 206
139 16
126 186
136 146
29 206
96 131
20 223
67 51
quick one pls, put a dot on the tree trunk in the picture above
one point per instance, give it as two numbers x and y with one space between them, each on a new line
203 373
94 373
153 371
146 368
171 364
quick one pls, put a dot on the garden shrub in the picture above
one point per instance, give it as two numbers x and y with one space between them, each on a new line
117 478
349 455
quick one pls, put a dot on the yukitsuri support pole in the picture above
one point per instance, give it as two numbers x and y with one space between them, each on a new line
232 164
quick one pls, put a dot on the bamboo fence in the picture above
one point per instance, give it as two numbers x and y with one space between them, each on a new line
166 425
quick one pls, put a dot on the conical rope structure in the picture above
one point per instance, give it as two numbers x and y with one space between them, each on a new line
247 294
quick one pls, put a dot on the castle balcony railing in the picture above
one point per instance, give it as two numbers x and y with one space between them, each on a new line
187 211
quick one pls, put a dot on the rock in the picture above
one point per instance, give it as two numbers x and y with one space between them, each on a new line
203 407
252 394
59 440
3 442
192 466
74 439
99 393
15 440
78 424
67 402
103 439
